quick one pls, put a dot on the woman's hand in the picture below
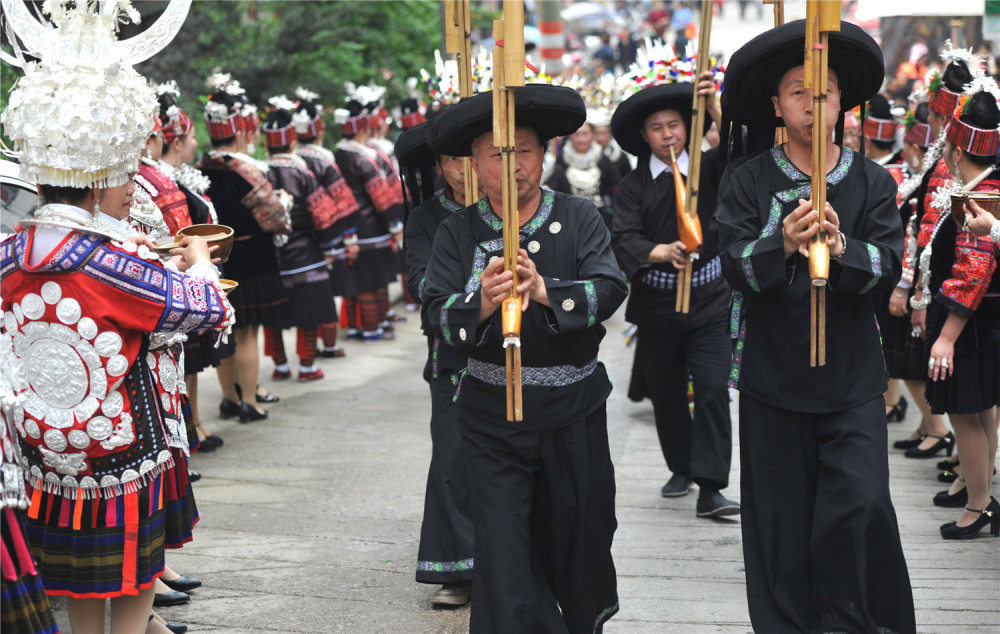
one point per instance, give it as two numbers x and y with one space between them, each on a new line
193 250
942 363
898 304
978 220
140 240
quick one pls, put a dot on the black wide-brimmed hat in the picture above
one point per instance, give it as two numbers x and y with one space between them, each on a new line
756 68
631 114
412 149
550 110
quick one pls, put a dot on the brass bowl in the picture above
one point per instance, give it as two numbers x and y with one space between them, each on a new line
214 235
987 201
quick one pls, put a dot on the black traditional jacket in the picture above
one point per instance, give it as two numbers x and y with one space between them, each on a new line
421 225
571 249
770 320
645 216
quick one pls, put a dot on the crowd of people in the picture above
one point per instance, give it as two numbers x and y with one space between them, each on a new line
101 408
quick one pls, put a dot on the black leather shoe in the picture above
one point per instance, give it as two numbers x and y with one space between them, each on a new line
908 444
177 628
714 504
453 594
164 599
249 413
989 515
956 500
213 440
677 486
182 583
947 476
228 409
897 412
206 447
947 465
946 442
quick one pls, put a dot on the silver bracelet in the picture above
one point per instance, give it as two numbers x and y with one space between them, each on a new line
920 304
995 232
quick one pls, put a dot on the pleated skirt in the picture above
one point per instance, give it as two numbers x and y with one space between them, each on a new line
110 547
261 301
24 606
974 385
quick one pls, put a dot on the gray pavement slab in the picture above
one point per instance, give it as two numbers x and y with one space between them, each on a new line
310 520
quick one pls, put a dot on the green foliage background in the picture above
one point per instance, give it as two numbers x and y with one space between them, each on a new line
274 46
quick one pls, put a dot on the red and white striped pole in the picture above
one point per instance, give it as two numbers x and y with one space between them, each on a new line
553 43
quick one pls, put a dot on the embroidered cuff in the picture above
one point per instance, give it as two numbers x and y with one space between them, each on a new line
206 270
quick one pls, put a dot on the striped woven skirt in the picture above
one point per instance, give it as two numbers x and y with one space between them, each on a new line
110 547
24 606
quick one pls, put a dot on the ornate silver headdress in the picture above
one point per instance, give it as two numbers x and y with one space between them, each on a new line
81 116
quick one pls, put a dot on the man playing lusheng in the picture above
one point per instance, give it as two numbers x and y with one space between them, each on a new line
820 538
542 489
672 345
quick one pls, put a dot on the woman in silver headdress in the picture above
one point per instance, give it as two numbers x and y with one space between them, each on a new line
98 422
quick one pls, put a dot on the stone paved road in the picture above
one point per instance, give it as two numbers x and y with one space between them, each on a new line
310 519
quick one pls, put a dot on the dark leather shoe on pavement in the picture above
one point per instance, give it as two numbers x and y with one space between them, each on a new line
164 599
177 628
714 504
228 409
453 594
677 486
182 583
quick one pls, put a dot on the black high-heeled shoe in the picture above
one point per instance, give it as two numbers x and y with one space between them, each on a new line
948 465
947 476
249 413
908 444
228 409
989 515
946 442
898 411
952 500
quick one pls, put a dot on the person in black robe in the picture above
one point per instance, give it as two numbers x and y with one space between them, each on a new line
672 345
542 488
445 555
379 210
245 201
309 135
820 538
315 223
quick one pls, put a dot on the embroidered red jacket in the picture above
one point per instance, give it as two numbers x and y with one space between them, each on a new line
166 195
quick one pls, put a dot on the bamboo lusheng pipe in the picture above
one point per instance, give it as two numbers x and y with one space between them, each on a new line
821 19
508 74
458 31
688 223
780 137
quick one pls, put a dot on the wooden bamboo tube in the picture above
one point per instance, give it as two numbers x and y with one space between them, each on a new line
780 136
698 108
